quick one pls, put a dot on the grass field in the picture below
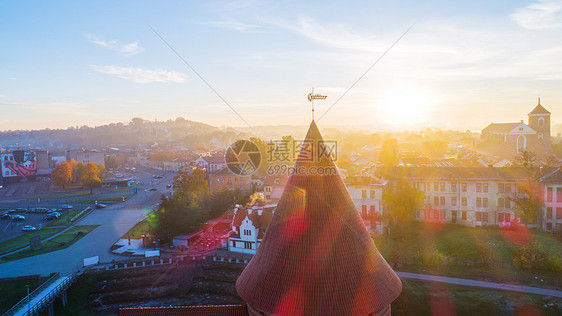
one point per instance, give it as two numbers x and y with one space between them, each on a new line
65 218
62 241
59 196
142 227
23 240
104 200
13 291
425 242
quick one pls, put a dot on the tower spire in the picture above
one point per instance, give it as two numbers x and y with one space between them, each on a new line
539 100
312 97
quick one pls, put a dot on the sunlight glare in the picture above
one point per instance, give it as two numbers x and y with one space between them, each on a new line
405 106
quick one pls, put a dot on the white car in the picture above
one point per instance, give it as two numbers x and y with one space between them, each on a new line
28 228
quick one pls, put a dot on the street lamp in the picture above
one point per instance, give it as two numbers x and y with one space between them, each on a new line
28 308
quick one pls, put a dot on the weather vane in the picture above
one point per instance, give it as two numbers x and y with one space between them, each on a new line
312 97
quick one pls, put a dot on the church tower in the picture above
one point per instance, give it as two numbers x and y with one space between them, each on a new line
539 120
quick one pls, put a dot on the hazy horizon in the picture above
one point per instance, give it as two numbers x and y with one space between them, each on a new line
461 66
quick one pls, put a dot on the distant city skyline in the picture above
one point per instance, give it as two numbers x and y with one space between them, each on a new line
462 66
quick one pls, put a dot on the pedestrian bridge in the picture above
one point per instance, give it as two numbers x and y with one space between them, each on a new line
42 297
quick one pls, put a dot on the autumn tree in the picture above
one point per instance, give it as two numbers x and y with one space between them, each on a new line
89 177
401 201
528 204
77 170
62 174
101 169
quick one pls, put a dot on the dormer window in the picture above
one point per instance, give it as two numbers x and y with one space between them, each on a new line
520 129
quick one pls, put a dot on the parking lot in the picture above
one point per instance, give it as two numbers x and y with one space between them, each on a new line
10 228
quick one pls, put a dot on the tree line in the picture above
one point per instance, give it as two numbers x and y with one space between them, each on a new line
89 175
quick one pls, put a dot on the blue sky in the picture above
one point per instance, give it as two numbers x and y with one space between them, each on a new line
462 66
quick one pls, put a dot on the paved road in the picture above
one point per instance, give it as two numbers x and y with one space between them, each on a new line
484 284
114 221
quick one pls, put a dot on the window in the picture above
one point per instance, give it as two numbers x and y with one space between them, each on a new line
454 201
277 180
549 212
248 232
247 245
558 194
485 216
500 217
464 215
541 122
463 201
558 212
549 194
442 200
500 188
548 226
442 186
485 187
436 186
436 214
435 200
364 194
372 207
453 187
478 187
463 187
507 217
478 216
500 202
478 202
485 202
364 209
372 194
507 188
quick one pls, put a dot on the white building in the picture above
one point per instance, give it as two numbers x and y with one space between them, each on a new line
248 228
552 213
366 193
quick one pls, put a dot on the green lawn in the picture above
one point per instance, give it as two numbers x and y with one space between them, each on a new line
59 196
423 243
62 241
12 291
104 200
23 240
424 298
142 227
65 218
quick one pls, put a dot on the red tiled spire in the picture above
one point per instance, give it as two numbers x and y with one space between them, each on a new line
317 256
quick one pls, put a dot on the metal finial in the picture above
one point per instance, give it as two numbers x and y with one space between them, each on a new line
312 97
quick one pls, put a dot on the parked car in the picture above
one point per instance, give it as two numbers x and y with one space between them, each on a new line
28 228
101 205
66 207
51 216
5 216
18 218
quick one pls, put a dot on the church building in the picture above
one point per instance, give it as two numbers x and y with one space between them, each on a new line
509 139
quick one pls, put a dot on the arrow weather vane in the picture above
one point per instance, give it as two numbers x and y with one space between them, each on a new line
312 97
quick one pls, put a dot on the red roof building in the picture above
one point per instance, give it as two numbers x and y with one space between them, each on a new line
317 257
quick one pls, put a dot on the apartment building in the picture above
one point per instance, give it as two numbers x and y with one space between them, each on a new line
479 196
366 193
552 190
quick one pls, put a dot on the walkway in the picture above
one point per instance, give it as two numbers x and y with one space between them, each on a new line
38 301
484 284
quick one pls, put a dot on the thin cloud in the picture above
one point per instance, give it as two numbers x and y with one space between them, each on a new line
232 25
541 14
129 49
139 75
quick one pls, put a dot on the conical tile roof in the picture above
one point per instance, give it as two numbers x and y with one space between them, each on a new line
317 257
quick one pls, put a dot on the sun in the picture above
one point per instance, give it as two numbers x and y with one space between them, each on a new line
405 107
